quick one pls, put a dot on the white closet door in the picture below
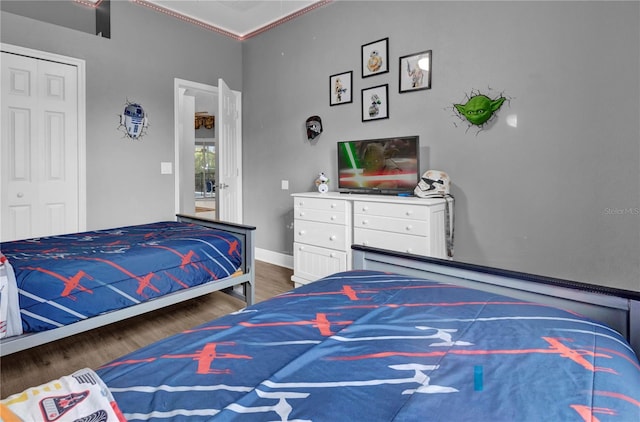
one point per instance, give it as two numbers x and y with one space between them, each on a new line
39 154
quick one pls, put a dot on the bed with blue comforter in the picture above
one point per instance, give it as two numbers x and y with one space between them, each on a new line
376 346
61 280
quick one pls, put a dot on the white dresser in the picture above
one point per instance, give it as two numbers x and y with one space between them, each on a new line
325 226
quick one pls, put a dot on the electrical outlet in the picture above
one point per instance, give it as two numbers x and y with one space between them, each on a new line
285 185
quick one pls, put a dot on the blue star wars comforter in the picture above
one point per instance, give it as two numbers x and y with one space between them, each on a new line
64 279
370 346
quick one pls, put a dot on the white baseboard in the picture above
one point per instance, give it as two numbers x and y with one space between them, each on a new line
274 258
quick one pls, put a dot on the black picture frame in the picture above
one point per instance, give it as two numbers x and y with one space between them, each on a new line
375 103
340 88
415 71
375 58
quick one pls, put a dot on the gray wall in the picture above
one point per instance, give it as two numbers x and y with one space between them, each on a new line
558 195
64 13
147 50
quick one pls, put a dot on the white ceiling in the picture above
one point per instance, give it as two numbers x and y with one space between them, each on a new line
238 17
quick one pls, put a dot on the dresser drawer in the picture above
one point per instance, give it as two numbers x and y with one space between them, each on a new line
417 212
323 235
320 204
394 241
312 263
393 225
312 214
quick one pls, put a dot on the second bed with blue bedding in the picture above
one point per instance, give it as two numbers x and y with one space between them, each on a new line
68 278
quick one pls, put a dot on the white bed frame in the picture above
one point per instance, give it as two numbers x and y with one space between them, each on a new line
241 286
619 309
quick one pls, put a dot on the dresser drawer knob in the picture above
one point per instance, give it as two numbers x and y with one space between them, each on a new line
332 237
332 255
408 228
301 232
365 208
365 222
409 212
333 217
333 205
301 214
409 250
364 243
301 248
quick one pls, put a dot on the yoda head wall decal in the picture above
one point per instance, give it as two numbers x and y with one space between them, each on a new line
479 109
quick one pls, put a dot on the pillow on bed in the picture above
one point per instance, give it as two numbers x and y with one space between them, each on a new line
79 396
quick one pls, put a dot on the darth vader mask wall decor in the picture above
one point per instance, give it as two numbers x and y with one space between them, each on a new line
314 127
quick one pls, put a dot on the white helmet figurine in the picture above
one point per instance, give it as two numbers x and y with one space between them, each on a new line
433 183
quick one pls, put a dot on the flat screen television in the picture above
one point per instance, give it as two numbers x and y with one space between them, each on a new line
387 166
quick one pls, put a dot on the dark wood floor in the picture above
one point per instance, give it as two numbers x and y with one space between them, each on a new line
92 349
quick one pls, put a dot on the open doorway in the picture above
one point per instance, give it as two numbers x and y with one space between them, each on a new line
205 155
205 179
208 147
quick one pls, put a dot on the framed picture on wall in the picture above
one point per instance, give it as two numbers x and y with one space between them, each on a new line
375 103
375 58
415 72
340 88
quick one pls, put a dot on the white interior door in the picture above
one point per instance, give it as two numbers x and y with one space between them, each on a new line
229 156
228 148
40 176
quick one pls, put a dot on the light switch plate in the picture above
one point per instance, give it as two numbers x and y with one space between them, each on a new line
166 168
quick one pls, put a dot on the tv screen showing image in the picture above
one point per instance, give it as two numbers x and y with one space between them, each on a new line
386 166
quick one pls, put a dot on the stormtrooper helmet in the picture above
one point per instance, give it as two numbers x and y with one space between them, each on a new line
433 183
314 127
